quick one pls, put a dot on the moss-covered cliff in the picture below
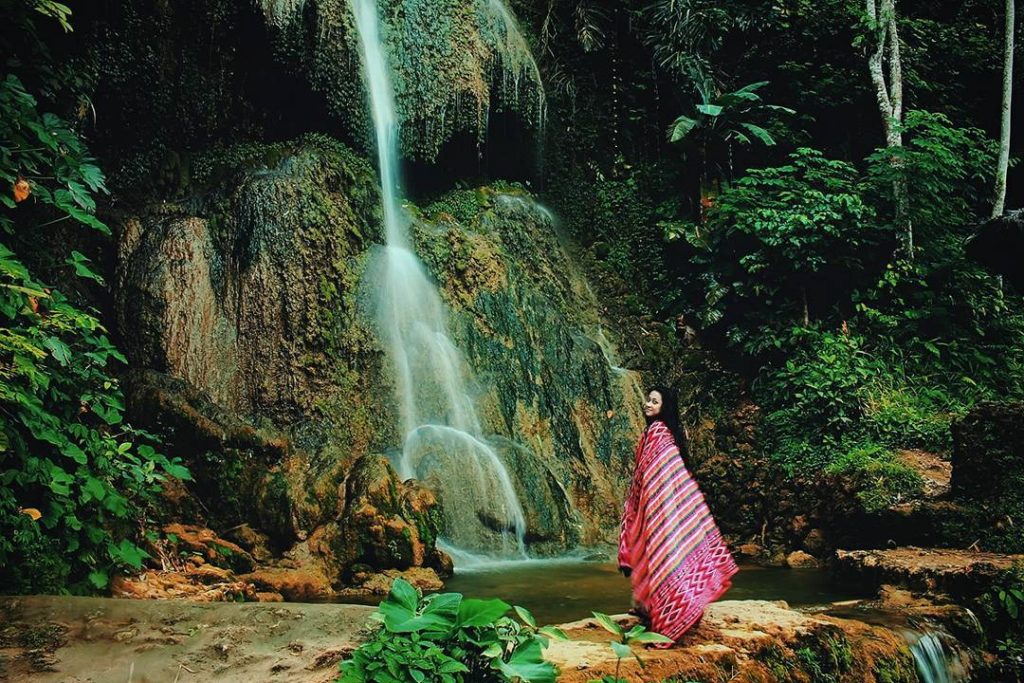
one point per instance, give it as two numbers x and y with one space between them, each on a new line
247 297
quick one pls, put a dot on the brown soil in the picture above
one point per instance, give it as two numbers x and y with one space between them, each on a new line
51 639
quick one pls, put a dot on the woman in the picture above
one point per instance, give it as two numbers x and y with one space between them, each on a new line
670 546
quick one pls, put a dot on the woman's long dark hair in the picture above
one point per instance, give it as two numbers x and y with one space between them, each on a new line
670 416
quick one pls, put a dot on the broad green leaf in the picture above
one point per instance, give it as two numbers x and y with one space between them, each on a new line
621 650
403 593
81 265
444 605
72 451
553 632
99 579
650 637
709 109
760 133
609 624
681 127
95 488
58 350
527 663
474 612
526 616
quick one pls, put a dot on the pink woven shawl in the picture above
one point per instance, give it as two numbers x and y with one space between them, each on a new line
669 539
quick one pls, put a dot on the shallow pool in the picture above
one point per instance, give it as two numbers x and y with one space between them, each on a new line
558 591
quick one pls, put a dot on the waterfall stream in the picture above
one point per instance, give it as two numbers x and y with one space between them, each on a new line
444 444
934 664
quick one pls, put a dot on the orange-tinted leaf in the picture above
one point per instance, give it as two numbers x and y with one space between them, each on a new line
36 515
22 189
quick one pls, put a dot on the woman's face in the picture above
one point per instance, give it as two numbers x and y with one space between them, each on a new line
653 406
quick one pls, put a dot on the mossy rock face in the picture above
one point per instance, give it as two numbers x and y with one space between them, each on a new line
242 306
250 295
248 300
451 63
387 523
563 419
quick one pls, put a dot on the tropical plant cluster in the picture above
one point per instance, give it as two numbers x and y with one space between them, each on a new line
75 479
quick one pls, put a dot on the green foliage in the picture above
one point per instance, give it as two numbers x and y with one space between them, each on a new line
74 479
622 645
782 244
445 638
1001 610
883 480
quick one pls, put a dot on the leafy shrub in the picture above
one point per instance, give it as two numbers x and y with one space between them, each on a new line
73 478
902 417
783 246
881 478
444 638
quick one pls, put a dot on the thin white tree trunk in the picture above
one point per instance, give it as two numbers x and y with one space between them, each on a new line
999 201
890 102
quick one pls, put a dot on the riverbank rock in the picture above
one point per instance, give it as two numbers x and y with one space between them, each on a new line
798 559
192 540
423 578
194 585
748 640
962 574
296 585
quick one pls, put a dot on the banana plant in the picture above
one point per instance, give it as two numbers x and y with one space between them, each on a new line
722 121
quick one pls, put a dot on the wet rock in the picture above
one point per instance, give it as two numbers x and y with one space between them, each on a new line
749 551
208 545
389 524
158 585
298 585
255 542
962 574
423 578
748 640
264 596
208 573
816 542
442 563
798 559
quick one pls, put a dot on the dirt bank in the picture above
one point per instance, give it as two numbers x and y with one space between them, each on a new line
50 639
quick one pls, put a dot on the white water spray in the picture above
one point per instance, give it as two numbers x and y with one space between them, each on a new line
444 446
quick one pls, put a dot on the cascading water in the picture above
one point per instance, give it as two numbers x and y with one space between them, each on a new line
933 663
444 444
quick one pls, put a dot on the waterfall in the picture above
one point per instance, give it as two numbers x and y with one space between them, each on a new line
933 663
444 445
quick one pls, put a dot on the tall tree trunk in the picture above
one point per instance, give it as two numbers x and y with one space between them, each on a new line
882 16
999 201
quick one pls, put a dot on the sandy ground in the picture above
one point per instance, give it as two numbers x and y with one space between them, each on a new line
51 639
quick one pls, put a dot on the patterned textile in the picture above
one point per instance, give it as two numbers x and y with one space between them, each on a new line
669 539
